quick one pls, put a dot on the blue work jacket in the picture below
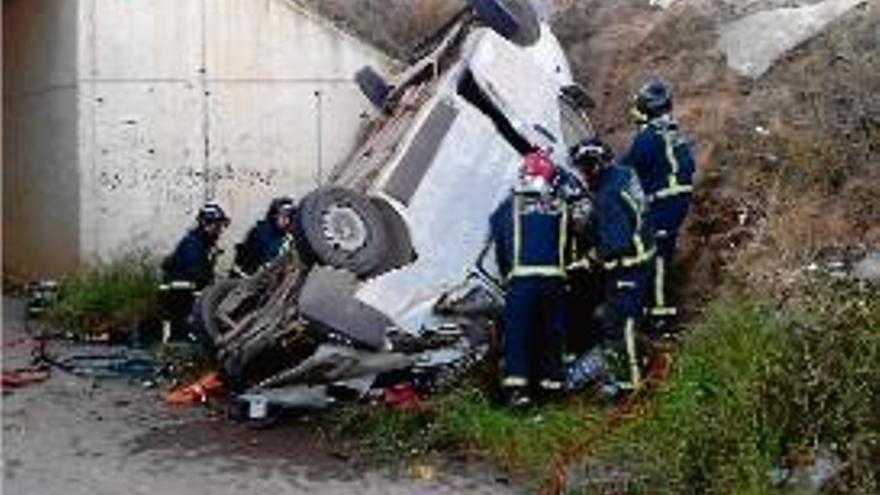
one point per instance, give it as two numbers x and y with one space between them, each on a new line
623 234
530 236
192 260
662 158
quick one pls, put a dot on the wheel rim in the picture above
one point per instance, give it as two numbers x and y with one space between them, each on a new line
343 228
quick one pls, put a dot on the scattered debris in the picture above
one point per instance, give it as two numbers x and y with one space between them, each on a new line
663 4
107 363
811 474
197 392
402 397
868 268
22 378
423 472
41 296
595 477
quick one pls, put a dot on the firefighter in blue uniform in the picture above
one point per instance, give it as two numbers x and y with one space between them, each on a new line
189 269
267 239
662 158
622 238
529 233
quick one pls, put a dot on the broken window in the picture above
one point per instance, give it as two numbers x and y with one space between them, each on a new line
574 122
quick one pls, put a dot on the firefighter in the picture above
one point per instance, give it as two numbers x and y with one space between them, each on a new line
623 243
529 233
662 158
189 269
267 239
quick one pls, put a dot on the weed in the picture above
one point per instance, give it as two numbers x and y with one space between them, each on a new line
388 435
758 386
833 395
708 430
107 298
526 444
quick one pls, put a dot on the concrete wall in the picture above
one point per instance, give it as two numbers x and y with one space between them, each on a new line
185 100
154 106
40 175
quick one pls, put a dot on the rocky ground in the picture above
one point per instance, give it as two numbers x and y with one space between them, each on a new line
73 435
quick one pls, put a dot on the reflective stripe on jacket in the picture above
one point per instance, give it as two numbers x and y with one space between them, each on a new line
530 236
624 235
662 158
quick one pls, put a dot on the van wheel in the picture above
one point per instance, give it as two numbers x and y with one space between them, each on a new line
373 86
343 229
515 20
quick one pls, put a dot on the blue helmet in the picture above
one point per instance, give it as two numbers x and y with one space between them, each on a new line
653 99
212 213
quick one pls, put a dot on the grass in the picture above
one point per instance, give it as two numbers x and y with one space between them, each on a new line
757 384
706 419
709 430
528 445
834 396
107 298
466 421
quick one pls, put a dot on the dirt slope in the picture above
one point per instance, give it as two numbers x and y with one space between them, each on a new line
789 163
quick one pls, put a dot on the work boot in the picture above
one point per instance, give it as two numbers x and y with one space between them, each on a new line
517 398
661 328
551 390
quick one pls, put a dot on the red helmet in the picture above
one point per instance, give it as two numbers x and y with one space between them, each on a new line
537 173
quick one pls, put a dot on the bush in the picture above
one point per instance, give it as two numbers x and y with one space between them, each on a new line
709 430
107 298
833 397
758 387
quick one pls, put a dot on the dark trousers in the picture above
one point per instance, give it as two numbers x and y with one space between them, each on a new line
626 291
586 292
176 307
534 330
667 216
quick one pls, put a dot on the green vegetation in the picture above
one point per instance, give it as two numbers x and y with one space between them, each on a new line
758 386
107 298
834 380
527 445
755 386
712 428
